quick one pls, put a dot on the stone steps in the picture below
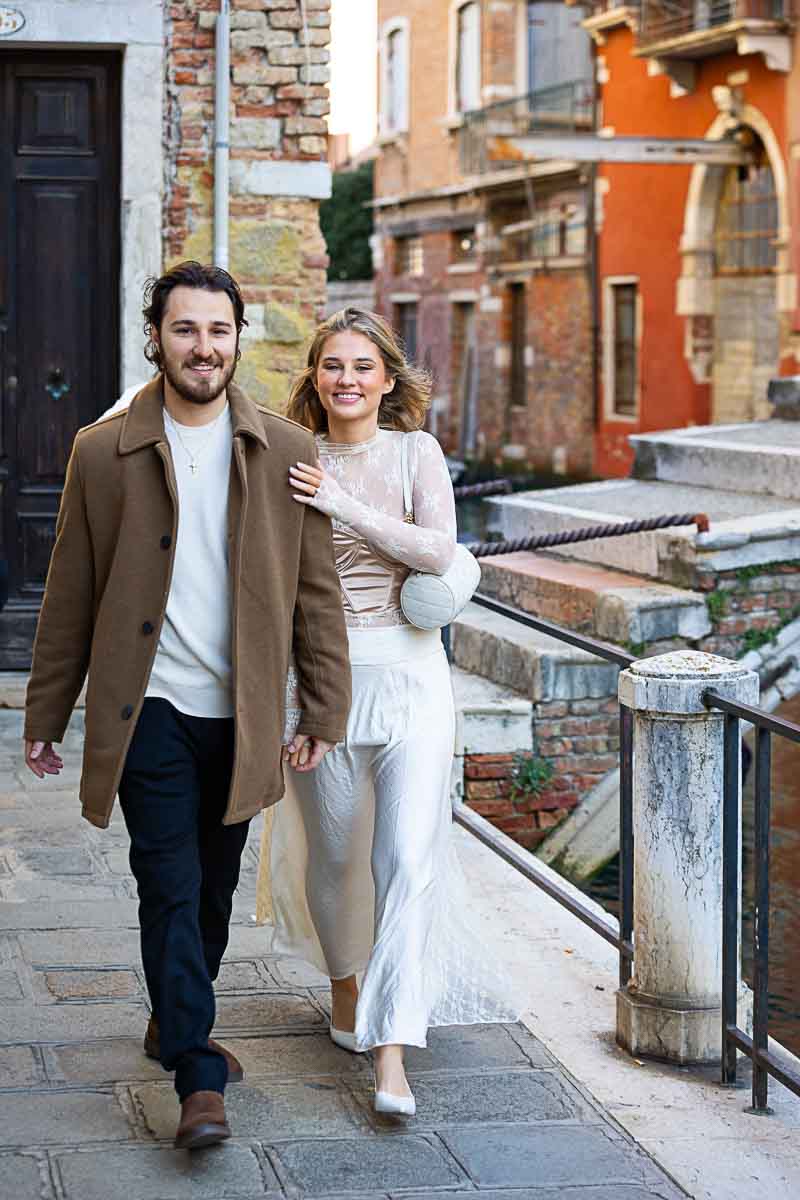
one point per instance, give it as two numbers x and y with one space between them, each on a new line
612 605
760 457
746 528
526 661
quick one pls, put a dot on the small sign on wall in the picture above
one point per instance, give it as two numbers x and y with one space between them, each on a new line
11 20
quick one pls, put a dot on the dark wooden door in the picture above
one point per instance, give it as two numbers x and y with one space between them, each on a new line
59 285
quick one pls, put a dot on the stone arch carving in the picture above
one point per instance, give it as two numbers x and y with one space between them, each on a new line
695 292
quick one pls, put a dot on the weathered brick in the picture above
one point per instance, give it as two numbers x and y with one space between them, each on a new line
312 145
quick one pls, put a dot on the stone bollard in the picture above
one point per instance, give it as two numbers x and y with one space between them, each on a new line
671 1010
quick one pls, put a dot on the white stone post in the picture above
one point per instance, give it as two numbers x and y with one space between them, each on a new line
670 1010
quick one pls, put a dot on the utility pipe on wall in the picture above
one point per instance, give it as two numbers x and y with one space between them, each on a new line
221 131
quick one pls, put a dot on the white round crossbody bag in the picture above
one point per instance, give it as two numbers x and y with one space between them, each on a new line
431 601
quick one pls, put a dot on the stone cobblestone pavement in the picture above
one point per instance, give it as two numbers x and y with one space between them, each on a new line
84 1115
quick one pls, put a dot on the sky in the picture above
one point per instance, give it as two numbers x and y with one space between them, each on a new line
354 75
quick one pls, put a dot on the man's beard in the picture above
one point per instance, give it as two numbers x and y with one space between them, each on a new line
201 392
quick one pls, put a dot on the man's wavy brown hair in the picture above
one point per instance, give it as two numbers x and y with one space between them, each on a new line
403 408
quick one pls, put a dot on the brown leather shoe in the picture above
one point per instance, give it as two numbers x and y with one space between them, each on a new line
152 1050
202 1121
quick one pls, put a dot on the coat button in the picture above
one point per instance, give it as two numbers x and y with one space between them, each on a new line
148 627
127 712
166 542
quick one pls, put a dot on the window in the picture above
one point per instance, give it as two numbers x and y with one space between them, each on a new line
747 224
559 49
463 246
468 57
518 391
409 256
406 325
394 93
621 345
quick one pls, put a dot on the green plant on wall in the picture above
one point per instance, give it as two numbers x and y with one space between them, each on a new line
717 605
530 776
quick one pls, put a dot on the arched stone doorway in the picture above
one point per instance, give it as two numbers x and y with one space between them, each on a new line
736 289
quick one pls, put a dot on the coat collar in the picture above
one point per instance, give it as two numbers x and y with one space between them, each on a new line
143 424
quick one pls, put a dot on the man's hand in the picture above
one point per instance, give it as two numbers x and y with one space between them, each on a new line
304 753
41 758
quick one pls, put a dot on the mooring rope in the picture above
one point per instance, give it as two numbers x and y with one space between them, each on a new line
568 536
493 487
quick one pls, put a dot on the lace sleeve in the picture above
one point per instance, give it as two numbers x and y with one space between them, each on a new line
427 545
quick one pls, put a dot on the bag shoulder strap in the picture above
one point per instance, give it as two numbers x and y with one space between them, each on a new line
408 488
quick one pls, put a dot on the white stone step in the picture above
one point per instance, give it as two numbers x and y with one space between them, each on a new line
745 528
758 458
612 605
540 667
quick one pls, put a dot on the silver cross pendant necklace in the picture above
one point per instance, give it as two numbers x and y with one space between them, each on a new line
194 459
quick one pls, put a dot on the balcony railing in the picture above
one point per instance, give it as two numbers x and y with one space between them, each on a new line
567 106
662 20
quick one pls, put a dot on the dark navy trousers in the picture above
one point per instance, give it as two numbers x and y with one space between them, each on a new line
174 791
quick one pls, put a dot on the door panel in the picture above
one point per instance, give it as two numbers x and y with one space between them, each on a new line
59 280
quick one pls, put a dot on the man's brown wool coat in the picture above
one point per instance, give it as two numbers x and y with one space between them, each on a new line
108 584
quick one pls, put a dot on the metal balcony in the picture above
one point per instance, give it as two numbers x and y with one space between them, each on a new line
486 133
694 28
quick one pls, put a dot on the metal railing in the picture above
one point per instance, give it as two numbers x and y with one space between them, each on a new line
765 1063
663 19
526 863
568 107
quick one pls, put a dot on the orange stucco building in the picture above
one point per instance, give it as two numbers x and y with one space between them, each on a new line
711 251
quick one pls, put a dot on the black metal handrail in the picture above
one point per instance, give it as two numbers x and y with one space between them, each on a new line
526 863
733 1038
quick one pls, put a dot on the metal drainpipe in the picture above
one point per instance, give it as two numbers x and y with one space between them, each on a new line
221 131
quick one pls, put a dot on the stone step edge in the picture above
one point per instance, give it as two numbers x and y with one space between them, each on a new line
532 663
632 611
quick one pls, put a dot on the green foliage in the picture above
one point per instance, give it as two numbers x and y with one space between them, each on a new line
745 574
347 224
754 639
530 775
637 649
717 605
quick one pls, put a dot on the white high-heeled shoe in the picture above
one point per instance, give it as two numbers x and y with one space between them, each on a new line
390 1105
347 1041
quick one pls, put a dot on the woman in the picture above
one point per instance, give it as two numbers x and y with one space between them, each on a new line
359 862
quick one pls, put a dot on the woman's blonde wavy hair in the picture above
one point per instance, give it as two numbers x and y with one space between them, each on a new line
403 408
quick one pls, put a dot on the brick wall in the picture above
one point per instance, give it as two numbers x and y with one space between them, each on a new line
278 105
578 739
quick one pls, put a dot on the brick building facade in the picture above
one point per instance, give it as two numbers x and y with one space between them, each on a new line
108 118
486 271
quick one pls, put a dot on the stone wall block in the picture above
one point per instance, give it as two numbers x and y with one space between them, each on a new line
256 133
255 73
286 18
314 75
260 39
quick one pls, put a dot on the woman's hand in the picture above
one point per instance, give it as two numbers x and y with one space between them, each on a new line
304 753
316 487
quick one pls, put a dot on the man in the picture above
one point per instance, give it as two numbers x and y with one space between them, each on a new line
182 574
